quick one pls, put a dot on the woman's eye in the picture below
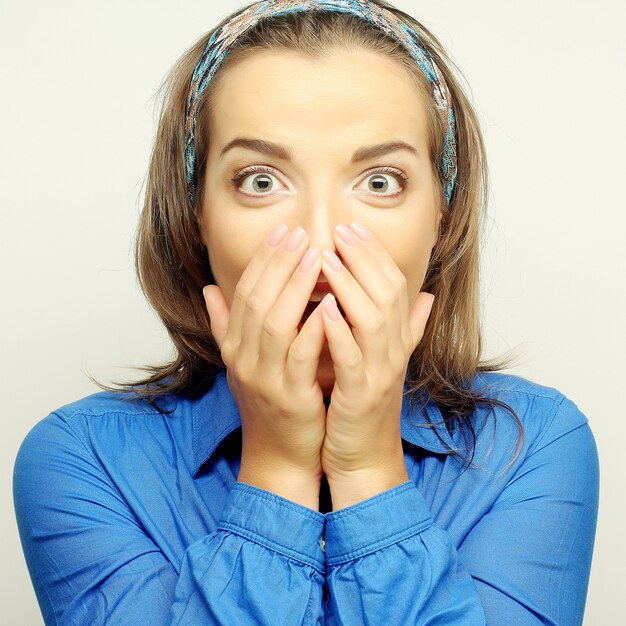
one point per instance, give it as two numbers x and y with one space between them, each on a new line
378 181
261 181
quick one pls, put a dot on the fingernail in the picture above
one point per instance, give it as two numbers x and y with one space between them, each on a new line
295 239
277 235
330 304
360 230
309 258
333 260
346 234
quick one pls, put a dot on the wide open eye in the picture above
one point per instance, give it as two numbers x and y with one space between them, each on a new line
261 180
378 181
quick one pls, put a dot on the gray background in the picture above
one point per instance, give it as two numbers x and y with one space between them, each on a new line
77 120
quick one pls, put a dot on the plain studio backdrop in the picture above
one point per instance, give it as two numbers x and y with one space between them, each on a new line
78 116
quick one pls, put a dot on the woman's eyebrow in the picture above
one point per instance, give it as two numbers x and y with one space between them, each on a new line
279 151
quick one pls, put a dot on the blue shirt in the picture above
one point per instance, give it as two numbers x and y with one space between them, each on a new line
131 517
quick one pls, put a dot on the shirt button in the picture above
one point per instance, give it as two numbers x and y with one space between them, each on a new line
323 543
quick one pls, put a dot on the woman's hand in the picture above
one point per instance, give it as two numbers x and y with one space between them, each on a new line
271 368
370 360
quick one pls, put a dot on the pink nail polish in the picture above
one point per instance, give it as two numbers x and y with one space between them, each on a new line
361 231
277 235
333 260
295 239
309 258
330 304
346 234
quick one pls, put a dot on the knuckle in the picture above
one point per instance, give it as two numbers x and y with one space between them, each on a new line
227 351
254 304
241 371
375 323
385 381
353 360
298 355
284 408
390 295
400 282
241 292
236 369
271 329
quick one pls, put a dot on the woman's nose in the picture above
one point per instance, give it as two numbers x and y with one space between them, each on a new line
319 221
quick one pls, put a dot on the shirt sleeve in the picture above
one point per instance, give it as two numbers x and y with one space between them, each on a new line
526 561
92 563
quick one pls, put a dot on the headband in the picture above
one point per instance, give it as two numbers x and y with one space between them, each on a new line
222 39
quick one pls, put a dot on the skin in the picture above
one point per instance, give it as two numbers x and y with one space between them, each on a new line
323 113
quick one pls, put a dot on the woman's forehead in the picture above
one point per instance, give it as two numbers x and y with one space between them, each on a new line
356 86
359 92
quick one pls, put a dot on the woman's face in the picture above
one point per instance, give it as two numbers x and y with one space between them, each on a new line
321 113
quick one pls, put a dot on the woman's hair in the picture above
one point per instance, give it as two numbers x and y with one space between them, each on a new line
172 263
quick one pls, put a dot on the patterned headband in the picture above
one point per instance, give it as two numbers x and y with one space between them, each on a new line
223 38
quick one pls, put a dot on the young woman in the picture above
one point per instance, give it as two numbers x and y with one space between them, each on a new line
323 449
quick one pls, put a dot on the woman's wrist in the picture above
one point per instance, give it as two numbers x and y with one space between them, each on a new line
354 487
295 485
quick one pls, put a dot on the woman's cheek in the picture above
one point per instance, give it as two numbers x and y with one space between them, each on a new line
227 264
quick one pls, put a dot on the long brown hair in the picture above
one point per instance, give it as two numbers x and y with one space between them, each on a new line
172 263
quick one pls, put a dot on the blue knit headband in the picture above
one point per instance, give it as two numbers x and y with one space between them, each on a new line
222 39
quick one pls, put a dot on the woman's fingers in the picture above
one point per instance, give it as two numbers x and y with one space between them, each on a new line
375 270
419 314
270 298
218 310
280 327
348 363
248 280
369 325
304 352
269 285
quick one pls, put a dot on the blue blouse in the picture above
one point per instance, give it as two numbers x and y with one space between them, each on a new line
128 516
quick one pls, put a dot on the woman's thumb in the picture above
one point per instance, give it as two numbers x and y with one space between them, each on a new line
218 310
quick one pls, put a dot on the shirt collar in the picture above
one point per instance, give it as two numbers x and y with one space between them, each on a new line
215 416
